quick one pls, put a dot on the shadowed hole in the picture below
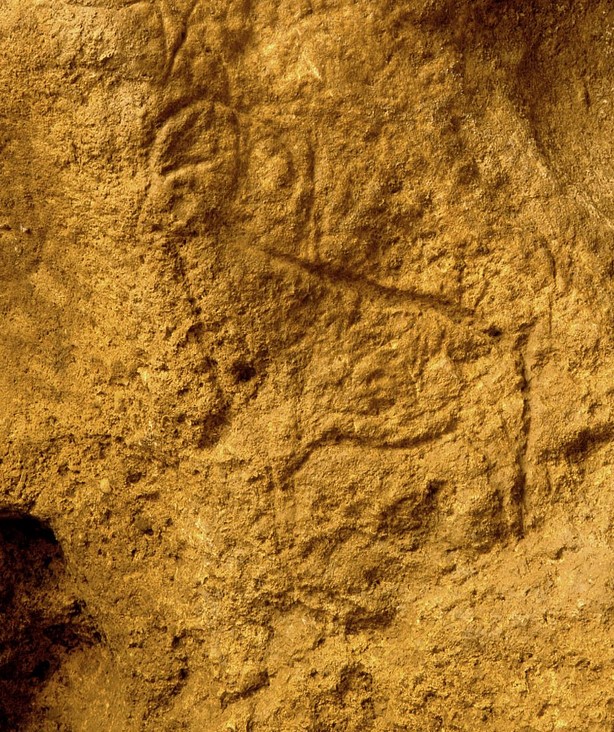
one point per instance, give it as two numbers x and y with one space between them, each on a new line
39 623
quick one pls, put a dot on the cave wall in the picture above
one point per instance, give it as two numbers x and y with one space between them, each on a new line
306 365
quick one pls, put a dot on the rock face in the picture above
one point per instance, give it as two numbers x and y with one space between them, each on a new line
306 365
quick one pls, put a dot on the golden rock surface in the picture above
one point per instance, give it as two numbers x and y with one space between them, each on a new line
306 365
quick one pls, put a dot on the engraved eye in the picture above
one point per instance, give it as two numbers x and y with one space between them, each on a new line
200 133
194 162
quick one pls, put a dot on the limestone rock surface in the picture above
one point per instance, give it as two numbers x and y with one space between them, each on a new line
306 365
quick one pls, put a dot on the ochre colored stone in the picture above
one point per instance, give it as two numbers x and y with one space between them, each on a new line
306 365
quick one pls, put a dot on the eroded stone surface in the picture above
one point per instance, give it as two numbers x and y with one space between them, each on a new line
306 358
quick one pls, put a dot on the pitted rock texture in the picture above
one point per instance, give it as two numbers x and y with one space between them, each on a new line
306 365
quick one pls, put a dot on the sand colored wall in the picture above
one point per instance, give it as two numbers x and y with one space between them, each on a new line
306 365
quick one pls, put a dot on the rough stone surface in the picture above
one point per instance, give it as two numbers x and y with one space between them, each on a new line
306 366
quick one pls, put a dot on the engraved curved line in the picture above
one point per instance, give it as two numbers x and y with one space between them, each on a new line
337 438
198 163
179 41
189 175
111 5
451 310
182 122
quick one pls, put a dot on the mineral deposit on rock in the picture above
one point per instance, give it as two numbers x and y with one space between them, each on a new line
306 365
